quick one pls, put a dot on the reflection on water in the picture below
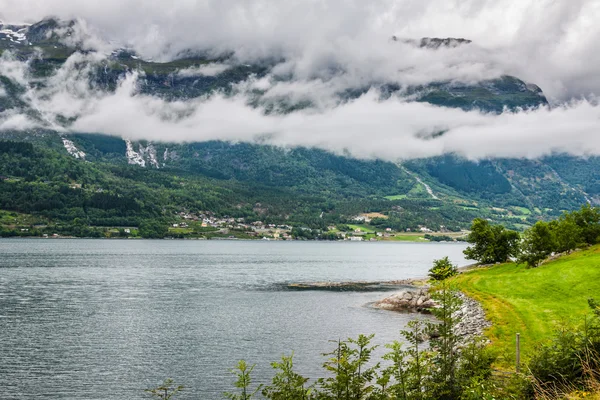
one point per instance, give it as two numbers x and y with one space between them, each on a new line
99 319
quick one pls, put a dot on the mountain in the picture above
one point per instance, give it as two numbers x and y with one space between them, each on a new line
307 186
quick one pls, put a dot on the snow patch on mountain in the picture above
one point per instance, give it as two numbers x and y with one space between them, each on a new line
149 152
72 149
15 36
133 157
146 155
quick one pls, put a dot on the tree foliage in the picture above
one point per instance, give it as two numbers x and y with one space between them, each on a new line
491 243
538 243
442 269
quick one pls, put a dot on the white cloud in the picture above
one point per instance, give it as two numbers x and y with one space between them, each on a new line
203 70
11 120
551 43
329 47
365 128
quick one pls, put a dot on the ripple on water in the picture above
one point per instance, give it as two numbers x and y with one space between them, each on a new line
85 319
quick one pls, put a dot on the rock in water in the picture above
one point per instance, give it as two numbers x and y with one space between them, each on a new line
407 300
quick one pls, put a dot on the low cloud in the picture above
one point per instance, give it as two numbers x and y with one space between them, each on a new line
551 43
12 120
365 128
327 48
203 70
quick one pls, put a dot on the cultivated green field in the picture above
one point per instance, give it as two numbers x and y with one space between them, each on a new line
362 227
534 302
396 197
406 238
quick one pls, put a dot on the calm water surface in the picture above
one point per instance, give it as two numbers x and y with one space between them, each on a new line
99 319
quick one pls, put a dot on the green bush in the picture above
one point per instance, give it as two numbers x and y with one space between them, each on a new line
573 350
442 269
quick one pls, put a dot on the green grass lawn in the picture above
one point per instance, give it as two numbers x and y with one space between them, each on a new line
523 210
406 238
396 197
534 302
363 228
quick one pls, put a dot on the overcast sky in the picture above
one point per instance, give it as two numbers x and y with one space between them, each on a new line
552 43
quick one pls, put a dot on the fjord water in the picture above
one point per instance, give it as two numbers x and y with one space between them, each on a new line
104 319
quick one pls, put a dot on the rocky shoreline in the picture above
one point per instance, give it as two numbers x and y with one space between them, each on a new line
473 321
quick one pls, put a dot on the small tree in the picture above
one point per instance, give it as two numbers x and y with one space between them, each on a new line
165 391
442 269
419 365
287 384
566 233
243 382
351 379
538 243
445 342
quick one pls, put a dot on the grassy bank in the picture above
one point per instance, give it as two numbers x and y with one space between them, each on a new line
534 302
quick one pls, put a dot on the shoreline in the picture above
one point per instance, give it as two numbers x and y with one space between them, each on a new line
224 240
416 299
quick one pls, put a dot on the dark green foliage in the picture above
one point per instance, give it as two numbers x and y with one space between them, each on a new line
567 234
588 220
438 238
468 176
43 180
563 361
442 269
153 229
100 145
491 243
444 382
538 243
571 230
474 373
10 147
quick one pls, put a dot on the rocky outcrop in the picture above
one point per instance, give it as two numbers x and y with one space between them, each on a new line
352 286
408 300
471 314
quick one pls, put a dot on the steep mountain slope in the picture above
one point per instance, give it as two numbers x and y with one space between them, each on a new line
503 187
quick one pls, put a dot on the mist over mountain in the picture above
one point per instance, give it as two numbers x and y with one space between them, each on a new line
476 117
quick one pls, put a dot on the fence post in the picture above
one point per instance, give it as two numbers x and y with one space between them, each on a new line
518 361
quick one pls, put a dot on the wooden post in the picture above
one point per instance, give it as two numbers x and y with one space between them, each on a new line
518 352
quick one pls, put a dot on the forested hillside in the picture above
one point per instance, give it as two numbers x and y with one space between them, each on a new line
65 174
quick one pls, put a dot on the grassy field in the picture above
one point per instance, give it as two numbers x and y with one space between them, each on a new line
396 197
406 237
363 228
13 219
534 302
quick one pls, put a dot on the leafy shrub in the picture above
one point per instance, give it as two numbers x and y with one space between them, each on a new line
442 269
563 362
